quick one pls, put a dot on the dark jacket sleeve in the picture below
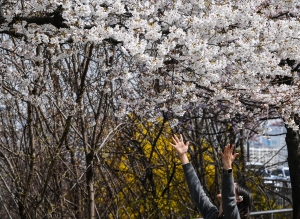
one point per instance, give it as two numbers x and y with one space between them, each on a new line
206 208
230 209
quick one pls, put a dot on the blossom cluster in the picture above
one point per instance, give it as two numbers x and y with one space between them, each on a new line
159 55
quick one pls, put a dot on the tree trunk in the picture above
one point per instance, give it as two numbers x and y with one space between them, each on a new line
90 185
77 189
293 145
242 156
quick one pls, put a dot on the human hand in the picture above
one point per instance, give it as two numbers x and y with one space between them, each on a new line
228 157
179 145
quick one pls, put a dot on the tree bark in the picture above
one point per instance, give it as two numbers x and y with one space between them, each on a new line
90 185
242 156
293 145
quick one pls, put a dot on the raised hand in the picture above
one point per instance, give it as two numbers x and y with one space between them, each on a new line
228 157
179 145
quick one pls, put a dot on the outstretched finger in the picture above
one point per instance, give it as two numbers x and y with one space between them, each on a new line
178 139
181 138
187 144
226 148
175 139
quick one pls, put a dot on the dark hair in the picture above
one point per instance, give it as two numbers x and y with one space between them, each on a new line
246 205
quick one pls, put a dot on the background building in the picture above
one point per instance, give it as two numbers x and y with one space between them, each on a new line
269 148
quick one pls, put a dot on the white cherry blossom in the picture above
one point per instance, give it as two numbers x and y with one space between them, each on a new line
209 51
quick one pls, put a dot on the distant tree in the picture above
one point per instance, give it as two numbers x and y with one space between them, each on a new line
56 124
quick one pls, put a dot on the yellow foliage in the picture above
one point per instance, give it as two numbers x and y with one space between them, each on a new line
150 183
166 191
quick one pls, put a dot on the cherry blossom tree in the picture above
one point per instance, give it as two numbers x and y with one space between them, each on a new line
238 56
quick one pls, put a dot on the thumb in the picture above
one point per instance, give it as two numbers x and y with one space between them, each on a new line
235 155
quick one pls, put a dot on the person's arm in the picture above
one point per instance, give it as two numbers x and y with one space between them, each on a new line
206 208
229 203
